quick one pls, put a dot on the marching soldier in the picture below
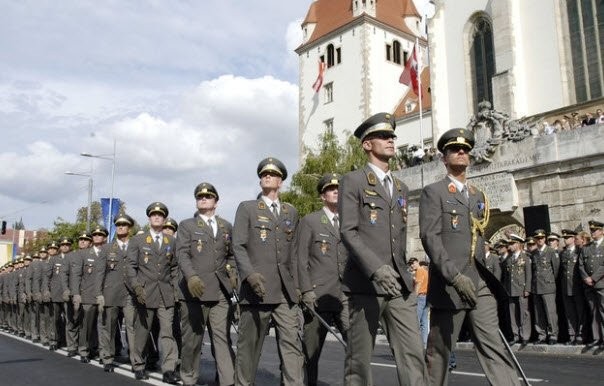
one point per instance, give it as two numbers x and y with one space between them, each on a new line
591 267
572 288
322 259
2 304
452 218
545 265
205 256
517 282
27 307
263 246
372 207
114 296
34 310
82 281
40 270
22 317
170 227
52 295
10 297
151 274
72 322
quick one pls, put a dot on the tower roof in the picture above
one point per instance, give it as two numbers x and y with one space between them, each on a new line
330 15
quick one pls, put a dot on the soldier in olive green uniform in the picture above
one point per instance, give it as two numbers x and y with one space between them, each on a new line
517 282
204 253
322 259
22 307
58 266
545 266
572 288
152 270
40 270
591 267
263 246
113 293
34 310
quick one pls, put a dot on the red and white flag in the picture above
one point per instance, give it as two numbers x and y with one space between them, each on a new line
319 82
409 76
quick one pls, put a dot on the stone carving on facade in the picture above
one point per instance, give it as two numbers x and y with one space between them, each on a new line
492 128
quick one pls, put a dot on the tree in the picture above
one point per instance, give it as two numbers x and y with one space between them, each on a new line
96 213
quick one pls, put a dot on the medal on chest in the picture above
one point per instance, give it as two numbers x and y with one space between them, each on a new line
263 234
324 247
199 246
454 219
146 257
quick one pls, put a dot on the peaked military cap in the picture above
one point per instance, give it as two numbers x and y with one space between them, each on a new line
568 233
380 122
271 164
330 179
171 223
460 137
205 188
65 241
124 219
27 257
157 207
53 244
100 231
595 225
43 250
553 236
85 236
35 255
539 233
530 240
516 239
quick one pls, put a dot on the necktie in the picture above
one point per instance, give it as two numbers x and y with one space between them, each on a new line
387 186
157 244
336 222
465 193
274 210
211 225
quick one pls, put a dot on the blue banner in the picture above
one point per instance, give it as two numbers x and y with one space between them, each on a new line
107 218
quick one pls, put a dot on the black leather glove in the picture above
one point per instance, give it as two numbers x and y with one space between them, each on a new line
465 288
257 281
386 277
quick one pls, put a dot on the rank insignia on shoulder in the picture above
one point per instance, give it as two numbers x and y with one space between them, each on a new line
149 240
452 188
261 204
371 178
324 219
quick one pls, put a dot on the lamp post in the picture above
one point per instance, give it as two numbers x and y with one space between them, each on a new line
88 214
109 157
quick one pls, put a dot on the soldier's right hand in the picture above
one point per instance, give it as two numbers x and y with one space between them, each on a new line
309 299
257 281
46 297
196 286
37 297
66 295
100 301
139 291
465 289
386 277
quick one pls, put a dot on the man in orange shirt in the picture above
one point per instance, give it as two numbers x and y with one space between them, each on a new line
420 275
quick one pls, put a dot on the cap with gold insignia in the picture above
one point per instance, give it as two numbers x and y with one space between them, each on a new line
539 234
205 189
595 225
43 250
85 236
157 207
53 244
27 257
35 255
329 179
553 236
100 231
530 240
124 219
382 123
273 165
566 233
171 223
460 137
65 241
514 238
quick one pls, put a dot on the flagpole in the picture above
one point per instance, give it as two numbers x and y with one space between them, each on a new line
419 83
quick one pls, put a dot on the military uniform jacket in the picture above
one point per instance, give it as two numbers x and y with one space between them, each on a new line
264 244
322 258
37 268
153 268
374 230
2 277
112 275
545 266
445 230
21 283
570 279
29 278
591 263
492 263
57 271
200 253
517 274
83 275
12 285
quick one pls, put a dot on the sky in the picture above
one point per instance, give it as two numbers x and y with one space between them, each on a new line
190 91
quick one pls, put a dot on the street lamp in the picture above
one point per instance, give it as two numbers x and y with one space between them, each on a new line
109 157
88 214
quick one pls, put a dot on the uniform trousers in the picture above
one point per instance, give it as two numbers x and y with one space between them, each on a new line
399 316
44 321
519 317
546 318
56 330
193 320
129 322
315 333
166 343
574 308
108 322
72 326
445 326
595 300
253 326
21 318
34 320
88 335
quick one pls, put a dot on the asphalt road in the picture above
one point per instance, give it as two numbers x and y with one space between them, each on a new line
23 363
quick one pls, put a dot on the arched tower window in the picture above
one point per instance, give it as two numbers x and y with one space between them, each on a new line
396 52
330 55
482 59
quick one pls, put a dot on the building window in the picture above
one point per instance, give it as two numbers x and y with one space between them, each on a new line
328 92
338 55
405 57
330 55
409 106
328 125
396 52
388 52
586 31
483 60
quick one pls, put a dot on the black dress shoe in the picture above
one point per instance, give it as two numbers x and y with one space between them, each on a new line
35 340
108 368
140 375
45 344
85 360
578 340
71 353
52 347
170 377
552 341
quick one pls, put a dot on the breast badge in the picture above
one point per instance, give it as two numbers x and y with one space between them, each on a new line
373 216
146 257
199 246
454 220
324 246
263 234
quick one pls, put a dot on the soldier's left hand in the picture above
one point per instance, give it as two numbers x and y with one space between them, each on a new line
386 277
309 299
77 300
